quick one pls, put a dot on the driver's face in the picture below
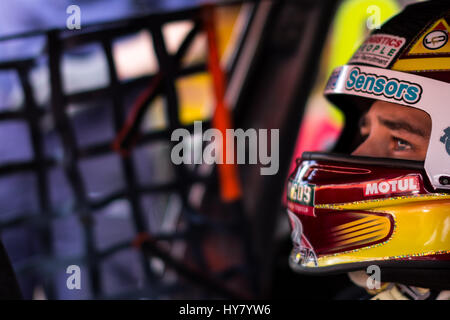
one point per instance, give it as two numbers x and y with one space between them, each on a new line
394 131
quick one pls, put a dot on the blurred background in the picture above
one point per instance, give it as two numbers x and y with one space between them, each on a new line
86 117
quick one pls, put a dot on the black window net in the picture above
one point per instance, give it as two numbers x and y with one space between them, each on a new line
84 182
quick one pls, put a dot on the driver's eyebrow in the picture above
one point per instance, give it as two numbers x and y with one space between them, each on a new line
402 125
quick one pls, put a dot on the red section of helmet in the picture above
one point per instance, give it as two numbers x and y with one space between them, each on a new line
342 183
319 230
338 183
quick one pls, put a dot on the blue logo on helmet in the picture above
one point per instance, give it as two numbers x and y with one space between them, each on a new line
445 139
391 88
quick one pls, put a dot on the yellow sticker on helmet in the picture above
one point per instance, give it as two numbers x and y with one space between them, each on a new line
433 41
431 52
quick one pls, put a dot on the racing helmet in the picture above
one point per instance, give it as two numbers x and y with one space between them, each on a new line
350 212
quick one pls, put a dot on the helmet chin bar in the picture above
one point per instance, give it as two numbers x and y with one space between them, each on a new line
350 212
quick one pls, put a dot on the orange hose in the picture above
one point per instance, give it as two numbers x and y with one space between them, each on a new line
230 188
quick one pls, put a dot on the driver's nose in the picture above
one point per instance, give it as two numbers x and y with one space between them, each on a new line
371 147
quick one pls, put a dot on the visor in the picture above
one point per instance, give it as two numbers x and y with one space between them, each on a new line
429 95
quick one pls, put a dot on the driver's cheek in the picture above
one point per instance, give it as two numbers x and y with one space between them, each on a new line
374 146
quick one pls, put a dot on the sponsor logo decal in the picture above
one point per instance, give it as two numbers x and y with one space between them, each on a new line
301 198
378 50
400 185
331 84
391 88
301 193
445 139
431 52
435 40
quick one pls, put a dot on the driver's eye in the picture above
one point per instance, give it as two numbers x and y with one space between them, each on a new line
401 145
